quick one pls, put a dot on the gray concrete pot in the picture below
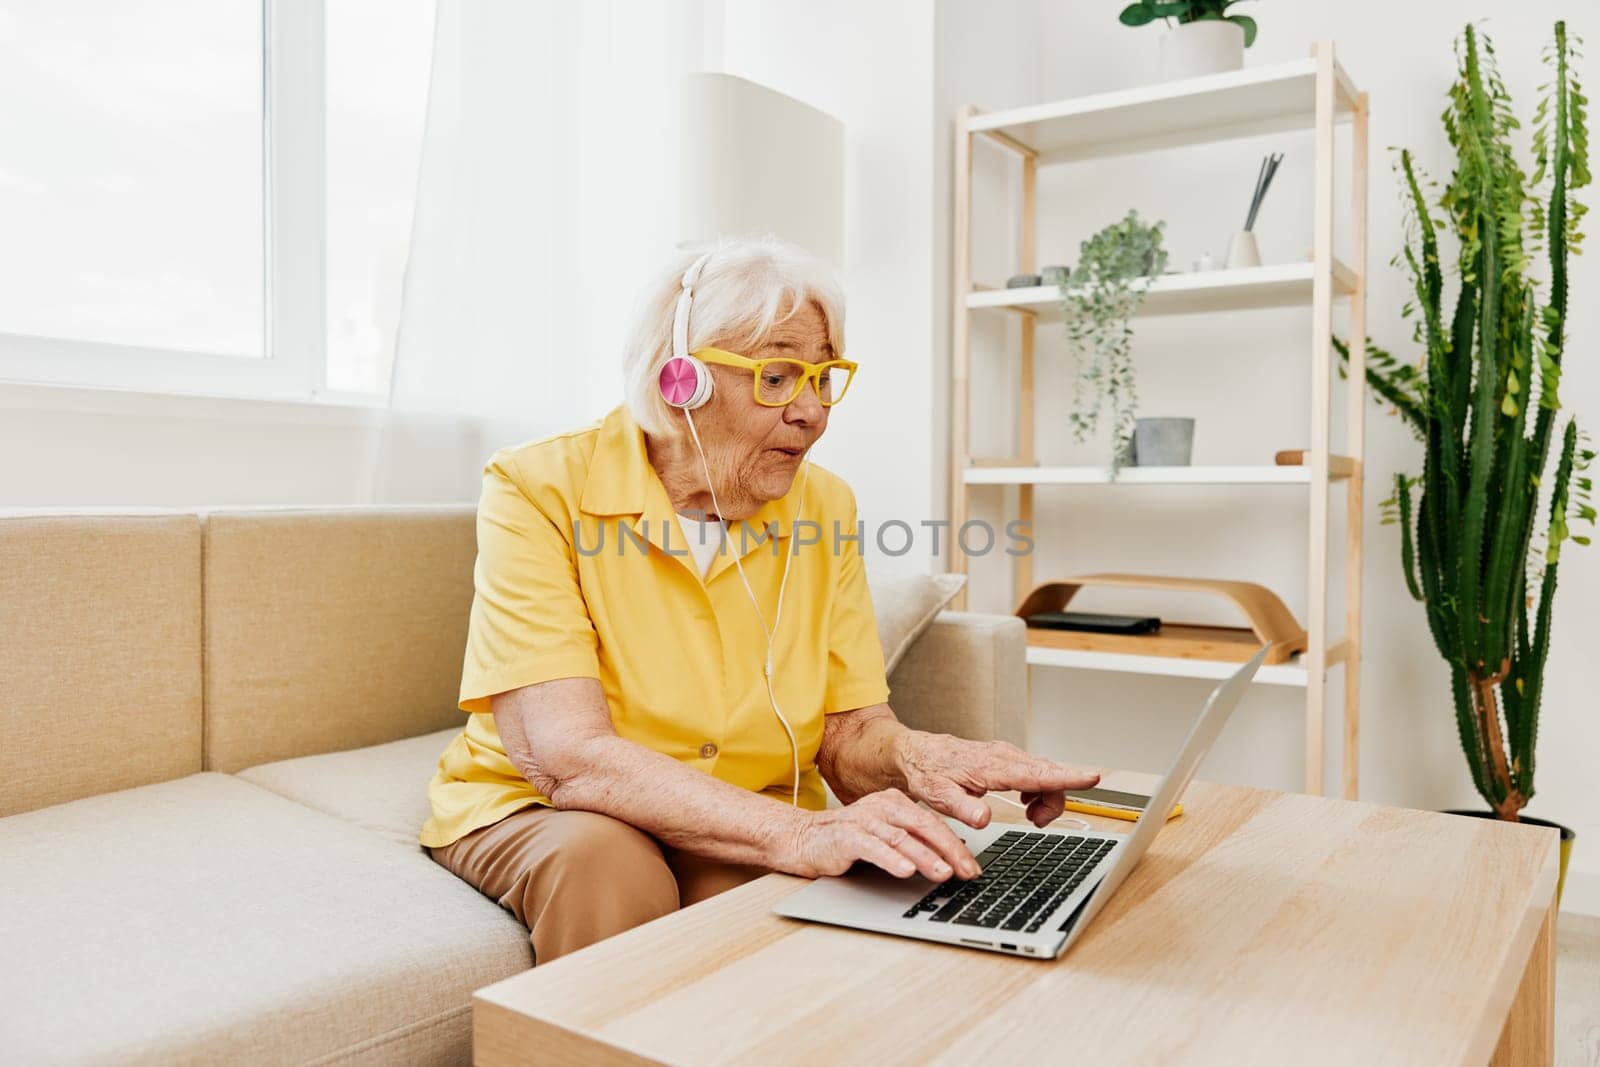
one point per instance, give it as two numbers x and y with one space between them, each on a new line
1162 442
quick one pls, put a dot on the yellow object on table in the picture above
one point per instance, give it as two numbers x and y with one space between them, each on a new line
1091 807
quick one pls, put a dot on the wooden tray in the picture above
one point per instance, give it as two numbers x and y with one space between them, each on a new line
1270 621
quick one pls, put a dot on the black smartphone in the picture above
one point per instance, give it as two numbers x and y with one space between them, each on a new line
1111 798
1091 623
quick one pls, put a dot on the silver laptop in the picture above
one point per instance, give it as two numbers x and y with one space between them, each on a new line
1039 888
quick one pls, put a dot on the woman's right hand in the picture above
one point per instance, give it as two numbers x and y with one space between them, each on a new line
887 829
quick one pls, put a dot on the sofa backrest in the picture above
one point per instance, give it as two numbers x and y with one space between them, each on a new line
100 684
136 648
330 629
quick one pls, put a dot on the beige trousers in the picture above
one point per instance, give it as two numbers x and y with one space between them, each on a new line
577 877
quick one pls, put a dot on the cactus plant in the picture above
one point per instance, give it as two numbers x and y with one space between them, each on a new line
1468 548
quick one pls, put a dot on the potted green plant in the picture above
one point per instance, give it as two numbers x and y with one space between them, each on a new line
1206 38
1098 299
1484 401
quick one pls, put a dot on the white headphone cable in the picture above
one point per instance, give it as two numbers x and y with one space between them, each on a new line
1082 824
794 746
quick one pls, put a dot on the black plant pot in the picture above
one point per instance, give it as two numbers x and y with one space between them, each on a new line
1568 835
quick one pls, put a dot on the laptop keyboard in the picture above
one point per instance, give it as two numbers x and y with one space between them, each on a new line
1025 877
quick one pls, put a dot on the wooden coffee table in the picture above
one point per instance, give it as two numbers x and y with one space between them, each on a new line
1262 927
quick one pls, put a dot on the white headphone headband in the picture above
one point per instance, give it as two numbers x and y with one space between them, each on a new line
680 317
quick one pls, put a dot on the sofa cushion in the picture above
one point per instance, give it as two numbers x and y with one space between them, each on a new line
966 675
383 788
332 629
99 654
209 920
904 606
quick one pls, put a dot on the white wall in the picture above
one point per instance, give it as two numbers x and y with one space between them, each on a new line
989 55
872 66
65 447
1243 377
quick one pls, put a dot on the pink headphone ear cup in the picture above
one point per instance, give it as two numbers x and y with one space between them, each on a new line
684 382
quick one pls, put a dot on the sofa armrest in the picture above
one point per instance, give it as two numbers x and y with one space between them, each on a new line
967 674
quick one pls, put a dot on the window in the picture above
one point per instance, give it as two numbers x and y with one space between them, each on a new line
208 196
378 56
130 173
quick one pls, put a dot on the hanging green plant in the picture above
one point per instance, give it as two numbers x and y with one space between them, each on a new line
1098 300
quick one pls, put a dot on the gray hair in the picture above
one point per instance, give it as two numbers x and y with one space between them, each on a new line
748 286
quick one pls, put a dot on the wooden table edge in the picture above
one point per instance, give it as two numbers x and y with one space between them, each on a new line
1518 1024
504 1035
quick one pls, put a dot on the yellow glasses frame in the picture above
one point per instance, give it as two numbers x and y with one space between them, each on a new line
811 372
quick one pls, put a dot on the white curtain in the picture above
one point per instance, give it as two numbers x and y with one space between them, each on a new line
545 202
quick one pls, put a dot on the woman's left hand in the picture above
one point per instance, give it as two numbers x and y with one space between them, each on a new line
951 775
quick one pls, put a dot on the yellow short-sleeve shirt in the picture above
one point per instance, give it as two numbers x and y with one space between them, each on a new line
583 571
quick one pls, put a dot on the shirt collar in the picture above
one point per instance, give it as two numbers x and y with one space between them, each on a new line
622 482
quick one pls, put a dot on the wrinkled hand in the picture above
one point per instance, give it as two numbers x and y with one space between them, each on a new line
887 829
951 775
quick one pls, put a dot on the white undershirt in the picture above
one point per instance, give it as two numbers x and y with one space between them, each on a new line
704 538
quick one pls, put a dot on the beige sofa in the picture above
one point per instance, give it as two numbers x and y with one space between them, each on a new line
216 732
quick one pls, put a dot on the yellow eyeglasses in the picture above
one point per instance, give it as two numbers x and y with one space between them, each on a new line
777 382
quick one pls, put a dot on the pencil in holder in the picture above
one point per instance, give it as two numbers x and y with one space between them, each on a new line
1242 250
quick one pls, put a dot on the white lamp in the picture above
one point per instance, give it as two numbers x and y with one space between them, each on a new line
752 160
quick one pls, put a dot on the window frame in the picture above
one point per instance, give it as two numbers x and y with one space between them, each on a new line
293 364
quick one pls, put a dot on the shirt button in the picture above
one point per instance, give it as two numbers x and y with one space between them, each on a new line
708 750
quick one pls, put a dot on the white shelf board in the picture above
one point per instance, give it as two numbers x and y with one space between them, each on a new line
1276 285
1101 475
1239 103
1292 673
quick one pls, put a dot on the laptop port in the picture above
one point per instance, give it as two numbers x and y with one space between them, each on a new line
1011 948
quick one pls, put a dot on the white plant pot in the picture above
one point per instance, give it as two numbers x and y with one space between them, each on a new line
1191 49
1243 251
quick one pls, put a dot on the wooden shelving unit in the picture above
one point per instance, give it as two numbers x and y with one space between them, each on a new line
1277 285
1314 94
980 473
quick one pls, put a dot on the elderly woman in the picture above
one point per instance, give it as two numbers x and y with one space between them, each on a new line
656 701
